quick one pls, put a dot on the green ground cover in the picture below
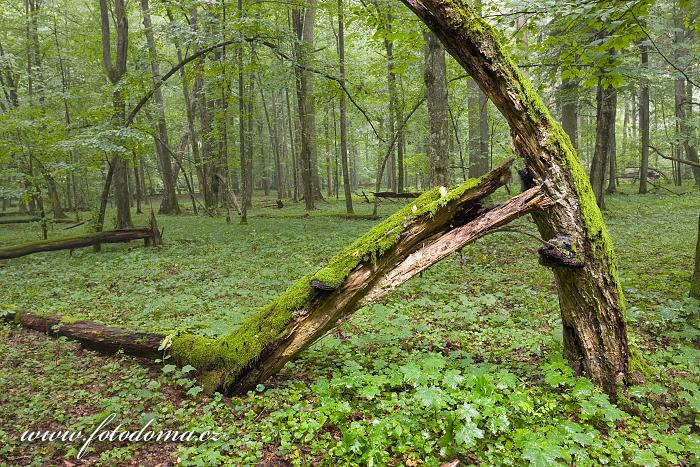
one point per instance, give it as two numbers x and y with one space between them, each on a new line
462 362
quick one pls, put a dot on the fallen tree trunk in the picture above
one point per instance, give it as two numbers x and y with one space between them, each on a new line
365 271
590 297
371 282
26 220
150 235
91 334
393 194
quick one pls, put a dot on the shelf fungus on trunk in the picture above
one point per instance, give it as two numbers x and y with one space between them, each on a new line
560 251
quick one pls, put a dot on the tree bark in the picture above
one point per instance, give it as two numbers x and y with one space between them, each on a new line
347 190
590 297
303 26
435 76
569 109
115 72
393 98
606 100
91 334
150 234
644 120
169 204
478 158
612 156
695 280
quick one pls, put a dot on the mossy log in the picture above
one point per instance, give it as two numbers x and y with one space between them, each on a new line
91 334
150 235
365 271
590 297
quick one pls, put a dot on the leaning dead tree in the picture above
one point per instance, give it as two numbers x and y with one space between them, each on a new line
590 296
150 235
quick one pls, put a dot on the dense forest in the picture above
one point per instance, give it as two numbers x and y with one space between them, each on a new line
440 232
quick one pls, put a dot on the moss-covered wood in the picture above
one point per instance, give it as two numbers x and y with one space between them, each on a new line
591 300
263 344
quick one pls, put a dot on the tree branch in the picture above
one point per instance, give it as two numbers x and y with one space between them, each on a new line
675 159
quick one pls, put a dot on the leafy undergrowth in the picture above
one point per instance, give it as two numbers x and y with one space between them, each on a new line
462 363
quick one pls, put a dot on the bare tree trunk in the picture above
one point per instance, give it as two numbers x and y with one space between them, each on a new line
303 25
347 190
612 155
682 102
478 158
292 147
435 76
391 84
169 204
118 166
606 100
695 280
644 120
569 109
52 190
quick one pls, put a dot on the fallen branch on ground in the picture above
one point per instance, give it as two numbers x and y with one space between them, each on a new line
91 334
151 235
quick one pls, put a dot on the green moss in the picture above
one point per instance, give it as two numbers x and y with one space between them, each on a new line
221 360
638 363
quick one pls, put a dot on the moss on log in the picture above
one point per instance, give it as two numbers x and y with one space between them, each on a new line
239 360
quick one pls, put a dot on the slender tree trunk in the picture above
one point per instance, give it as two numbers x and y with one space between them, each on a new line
644 120
292 147
569 98
391 83
478 158
682 102
347 190
435 76
118 166
606 101
695 280
169 204
612 155
303 25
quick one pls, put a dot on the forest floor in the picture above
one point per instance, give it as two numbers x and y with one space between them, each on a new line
463 362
